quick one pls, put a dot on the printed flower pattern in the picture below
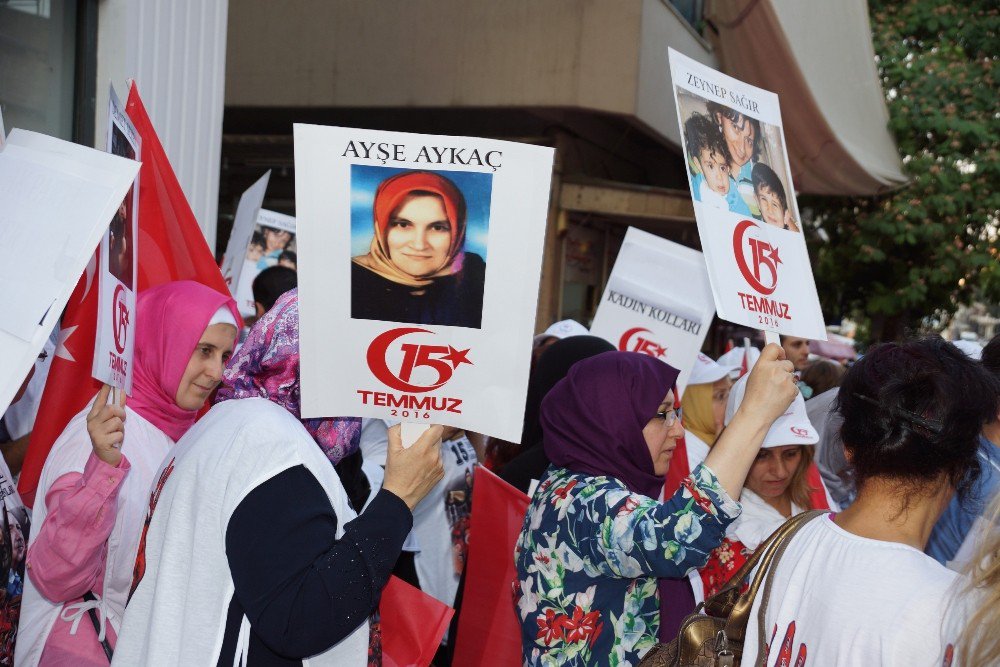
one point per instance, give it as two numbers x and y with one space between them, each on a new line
588 557
724 561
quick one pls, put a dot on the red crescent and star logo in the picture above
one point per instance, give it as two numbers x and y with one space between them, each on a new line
120 317
763 255
641 343
443 359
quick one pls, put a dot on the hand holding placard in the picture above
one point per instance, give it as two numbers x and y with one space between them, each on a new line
412 472
770 387
106 426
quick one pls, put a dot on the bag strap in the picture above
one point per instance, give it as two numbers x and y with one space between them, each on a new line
766 556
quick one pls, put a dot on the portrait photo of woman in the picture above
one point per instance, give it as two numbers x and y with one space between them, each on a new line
419 267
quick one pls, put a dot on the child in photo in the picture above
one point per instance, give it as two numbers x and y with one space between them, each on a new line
707 148
771 199
256 248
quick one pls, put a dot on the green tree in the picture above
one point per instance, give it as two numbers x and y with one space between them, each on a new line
892 261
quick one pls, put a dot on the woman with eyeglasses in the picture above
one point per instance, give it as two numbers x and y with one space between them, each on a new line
856 588
595 539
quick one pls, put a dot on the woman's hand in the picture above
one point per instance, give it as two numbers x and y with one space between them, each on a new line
770 388
411 473
106 426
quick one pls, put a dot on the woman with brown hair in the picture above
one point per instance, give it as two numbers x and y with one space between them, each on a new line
776 489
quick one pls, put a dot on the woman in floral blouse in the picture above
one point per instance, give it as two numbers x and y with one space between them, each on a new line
594 539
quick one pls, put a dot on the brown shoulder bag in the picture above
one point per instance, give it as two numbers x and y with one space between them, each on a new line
715 638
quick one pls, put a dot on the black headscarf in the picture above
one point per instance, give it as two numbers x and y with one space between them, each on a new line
551 367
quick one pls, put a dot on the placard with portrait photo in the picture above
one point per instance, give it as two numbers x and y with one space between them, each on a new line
422 253
116 316
744 201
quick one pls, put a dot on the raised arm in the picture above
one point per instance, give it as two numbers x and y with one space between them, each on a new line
639 536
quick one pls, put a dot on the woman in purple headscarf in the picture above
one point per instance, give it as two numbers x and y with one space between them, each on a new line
595 538
253 553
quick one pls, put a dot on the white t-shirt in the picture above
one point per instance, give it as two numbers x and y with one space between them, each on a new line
842 599
374 440
441 522
757 521
711 197
374 449
697 449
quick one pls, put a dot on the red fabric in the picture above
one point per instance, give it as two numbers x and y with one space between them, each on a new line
412 624
726 559
171 246
680 467
69 385
817 494
489 633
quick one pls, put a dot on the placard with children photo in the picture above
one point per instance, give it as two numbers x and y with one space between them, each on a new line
420 259
744 201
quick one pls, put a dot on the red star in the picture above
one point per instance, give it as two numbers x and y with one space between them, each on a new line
457 357
657 350
774 255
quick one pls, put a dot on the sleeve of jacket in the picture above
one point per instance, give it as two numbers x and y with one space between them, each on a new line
302 589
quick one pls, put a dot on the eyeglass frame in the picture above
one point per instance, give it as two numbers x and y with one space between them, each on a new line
662 414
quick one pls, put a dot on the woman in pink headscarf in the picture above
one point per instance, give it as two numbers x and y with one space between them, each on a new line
94 487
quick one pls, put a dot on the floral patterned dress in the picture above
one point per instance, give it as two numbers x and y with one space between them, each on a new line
588 557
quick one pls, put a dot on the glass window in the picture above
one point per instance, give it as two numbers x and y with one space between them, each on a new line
693 12
38 65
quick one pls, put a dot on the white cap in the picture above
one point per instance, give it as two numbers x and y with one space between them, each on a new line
706 371
791 428
971 348
563 329
734 359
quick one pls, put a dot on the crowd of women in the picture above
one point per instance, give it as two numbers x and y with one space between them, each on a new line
253 536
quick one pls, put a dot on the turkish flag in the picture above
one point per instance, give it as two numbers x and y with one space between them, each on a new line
489 632
171 246
412 624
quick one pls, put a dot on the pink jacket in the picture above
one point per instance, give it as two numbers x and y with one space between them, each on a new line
68 556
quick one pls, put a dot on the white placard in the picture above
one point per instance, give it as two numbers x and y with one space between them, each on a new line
748 219
234 266
56 199
272 243
462 222
658 301
118 265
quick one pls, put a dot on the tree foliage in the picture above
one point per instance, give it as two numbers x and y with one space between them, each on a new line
920 251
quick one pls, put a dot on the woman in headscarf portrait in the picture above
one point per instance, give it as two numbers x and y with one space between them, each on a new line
417 269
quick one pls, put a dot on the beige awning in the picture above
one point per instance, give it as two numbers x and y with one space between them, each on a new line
818 56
